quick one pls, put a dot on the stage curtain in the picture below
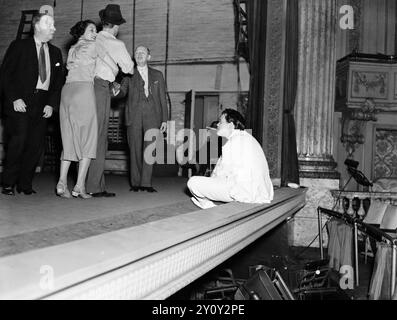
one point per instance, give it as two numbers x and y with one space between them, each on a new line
380 281
256 28
289 163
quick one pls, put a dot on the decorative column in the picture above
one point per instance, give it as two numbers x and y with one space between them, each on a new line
316 88
314 113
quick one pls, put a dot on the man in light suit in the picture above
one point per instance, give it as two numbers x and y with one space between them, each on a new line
112 55
32 78
146 109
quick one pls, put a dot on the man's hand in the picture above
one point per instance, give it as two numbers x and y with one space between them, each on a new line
47 112
115 88
19 105
163 127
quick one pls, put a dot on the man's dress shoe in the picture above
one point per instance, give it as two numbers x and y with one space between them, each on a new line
148 189
135 189
103 194
26 191
9 191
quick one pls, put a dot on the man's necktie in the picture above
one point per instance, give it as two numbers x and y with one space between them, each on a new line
42 66
145 86
146 89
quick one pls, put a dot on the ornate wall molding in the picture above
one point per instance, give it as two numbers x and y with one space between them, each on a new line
354 122
365 83
385 153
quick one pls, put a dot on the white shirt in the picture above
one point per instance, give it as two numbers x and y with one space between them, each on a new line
143 71
111 54
244 163
46 84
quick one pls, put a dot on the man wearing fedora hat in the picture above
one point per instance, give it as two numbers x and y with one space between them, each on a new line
112 54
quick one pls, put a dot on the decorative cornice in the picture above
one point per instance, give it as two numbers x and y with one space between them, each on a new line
318 169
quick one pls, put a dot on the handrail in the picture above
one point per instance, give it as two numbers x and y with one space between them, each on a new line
373 231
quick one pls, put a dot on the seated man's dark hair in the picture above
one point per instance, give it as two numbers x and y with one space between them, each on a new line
235 117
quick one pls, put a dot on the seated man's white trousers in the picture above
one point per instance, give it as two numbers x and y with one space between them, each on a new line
205 189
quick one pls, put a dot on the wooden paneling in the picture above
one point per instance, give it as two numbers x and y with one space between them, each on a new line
91 10
10 15
201 29
150 26
66 14
198 29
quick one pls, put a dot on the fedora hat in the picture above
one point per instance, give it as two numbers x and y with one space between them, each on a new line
111 14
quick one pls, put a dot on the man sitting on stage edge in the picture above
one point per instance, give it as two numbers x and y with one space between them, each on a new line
241 173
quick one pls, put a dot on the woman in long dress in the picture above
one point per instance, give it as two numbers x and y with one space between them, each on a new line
79 128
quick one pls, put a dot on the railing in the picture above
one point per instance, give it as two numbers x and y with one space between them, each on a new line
359 201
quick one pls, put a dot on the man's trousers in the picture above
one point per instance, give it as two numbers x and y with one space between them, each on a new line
95 177
141 169
208 189
25 137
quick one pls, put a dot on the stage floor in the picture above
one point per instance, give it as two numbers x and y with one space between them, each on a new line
43 219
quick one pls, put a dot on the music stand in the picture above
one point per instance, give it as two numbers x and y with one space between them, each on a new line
356 174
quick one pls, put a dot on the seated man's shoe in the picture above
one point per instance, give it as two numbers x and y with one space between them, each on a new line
9 191
135 189
148 189
203 204
26 191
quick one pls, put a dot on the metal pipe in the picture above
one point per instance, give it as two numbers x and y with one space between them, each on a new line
81 9
320 233
356 271
284 286
393 270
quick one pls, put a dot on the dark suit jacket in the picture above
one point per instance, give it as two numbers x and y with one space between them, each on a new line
131 86
20 70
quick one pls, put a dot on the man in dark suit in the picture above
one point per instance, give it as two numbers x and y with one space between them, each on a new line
146 109
32 79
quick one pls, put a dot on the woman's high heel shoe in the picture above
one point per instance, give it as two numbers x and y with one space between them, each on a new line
62 190
79 192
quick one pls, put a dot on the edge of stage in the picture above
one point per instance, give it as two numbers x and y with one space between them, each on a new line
151 260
